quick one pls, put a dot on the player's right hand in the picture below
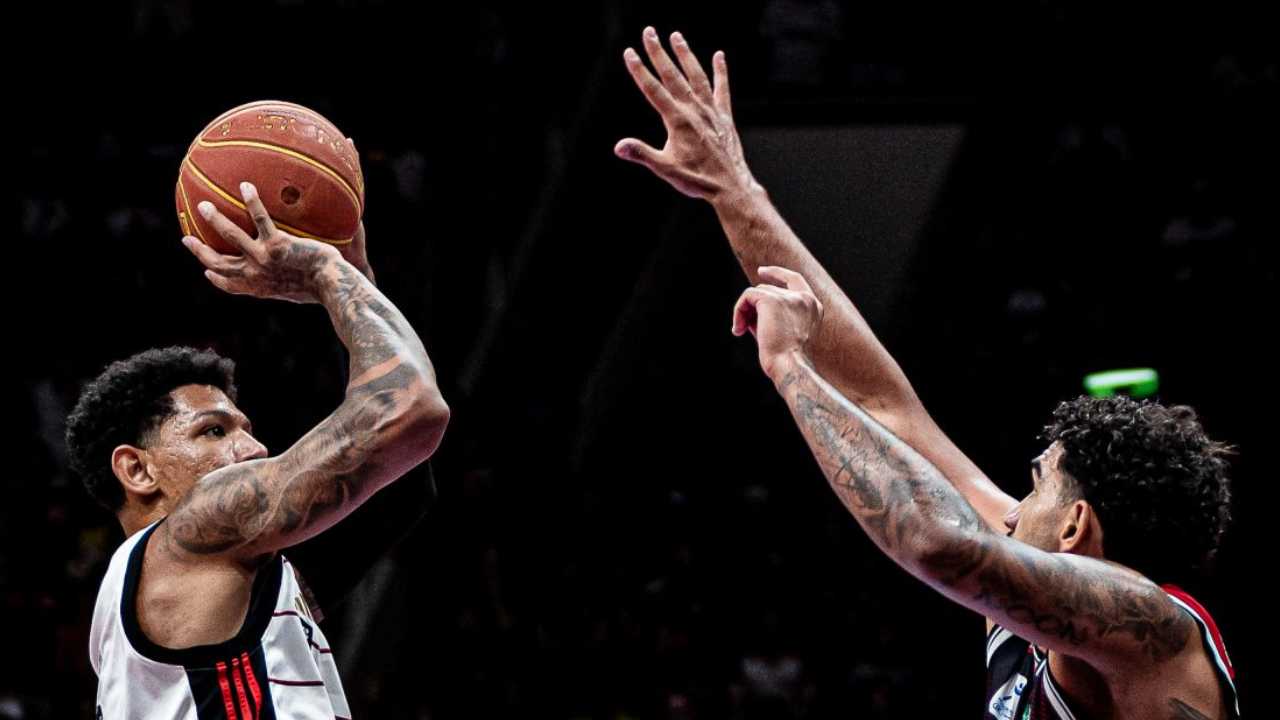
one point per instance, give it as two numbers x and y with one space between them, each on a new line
702 157
275 264
782 313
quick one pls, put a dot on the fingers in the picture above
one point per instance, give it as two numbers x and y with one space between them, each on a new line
720 95
210 258
672 80
744 312
633 150
783 277
653 90
692 68
258 212
224 283
225 228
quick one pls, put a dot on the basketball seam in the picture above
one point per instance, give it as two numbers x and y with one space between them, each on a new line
215 144
231 199
259 103
187 203
266 103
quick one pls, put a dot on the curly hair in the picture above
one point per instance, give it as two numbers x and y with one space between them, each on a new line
1156 482
128 400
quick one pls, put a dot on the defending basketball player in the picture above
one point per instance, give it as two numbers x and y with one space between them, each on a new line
199 615
1126 495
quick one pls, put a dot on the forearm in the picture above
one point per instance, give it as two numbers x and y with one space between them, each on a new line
391 419
1081 605
376 334
844 350
905 505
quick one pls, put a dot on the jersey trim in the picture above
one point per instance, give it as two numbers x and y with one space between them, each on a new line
266 587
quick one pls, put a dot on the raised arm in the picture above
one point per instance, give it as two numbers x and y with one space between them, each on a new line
391 418
703 158
1103 613
334 562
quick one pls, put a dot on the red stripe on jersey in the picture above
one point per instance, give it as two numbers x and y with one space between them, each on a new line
1204 615
244 701
227 702
254 688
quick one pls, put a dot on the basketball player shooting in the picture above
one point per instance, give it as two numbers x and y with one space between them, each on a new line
1126 494
199 615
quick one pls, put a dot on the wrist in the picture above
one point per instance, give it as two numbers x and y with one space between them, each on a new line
326 272
783 367
739 195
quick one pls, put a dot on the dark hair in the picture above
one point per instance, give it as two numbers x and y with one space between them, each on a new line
128 400
1156 482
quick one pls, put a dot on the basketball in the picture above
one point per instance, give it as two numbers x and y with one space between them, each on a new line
305 170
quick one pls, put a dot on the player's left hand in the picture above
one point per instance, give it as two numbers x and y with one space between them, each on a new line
354 252
782 313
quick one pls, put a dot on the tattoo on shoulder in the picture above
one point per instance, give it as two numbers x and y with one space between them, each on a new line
224 508
899 499
1086 606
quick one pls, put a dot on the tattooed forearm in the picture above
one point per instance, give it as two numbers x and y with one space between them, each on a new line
373 330
898 497
325 475
390 420
918 518
1086 605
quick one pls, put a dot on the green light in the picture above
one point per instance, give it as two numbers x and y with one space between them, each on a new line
1135 382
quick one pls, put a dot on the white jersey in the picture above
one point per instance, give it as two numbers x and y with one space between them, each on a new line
278 666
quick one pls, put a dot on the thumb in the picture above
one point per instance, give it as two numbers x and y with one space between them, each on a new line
633 150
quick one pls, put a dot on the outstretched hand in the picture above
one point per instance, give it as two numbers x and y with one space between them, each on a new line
702 156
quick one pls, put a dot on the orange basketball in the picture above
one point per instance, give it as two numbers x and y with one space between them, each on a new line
306 172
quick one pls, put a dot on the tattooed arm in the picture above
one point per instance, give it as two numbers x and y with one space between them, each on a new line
1087 608
391 418
703 158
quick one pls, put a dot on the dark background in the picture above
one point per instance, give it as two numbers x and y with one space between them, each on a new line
628 524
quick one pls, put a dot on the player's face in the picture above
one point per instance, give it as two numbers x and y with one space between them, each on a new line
205 432
1037 519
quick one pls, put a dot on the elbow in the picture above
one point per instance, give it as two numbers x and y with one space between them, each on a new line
948 556
425 422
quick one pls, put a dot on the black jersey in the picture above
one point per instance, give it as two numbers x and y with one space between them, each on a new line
1020 685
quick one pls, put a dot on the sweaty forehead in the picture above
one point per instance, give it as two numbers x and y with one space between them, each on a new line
190 401
1049 460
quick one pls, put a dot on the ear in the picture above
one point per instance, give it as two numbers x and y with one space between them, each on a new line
1079 530
129 465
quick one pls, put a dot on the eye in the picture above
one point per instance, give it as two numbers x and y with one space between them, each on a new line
214 431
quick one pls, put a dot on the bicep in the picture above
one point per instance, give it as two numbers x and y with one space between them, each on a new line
1080 606
260 506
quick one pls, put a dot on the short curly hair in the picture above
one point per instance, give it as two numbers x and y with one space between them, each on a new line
1155 480
129 399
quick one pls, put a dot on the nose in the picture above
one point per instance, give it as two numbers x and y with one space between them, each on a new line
248 448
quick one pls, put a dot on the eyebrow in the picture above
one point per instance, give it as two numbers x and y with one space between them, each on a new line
224 416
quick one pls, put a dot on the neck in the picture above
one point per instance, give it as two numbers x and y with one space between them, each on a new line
133 518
